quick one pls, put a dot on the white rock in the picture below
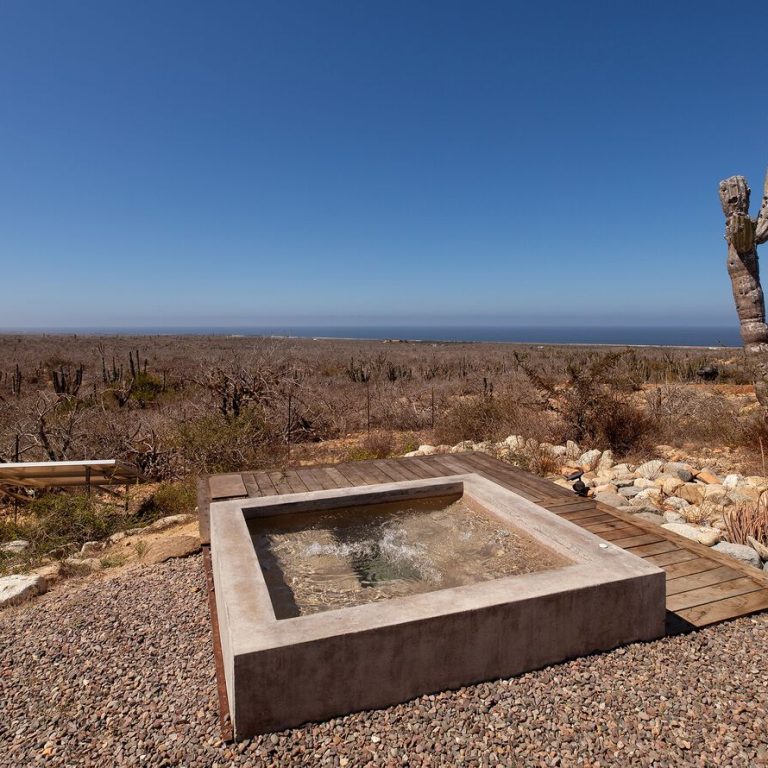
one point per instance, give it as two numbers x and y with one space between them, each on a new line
733 481
15 547
693 493
650 470
572 450
171 520
558 451
675 502
427 450
20 587
612 499
590 459
82 567
606 460
643 482
673 517
701 533
761 549
648 495
515 442
739 552
624 480
92 547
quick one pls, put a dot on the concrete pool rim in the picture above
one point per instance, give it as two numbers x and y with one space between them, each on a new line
249 629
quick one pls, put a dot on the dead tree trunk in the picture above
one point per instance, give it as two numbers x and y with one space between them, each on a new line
743 234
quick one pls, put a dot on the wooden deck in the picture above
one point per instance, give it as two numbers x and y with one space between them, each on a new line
703 586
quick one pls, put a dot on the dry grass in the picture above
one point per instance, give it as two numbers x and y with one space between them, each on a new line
748 520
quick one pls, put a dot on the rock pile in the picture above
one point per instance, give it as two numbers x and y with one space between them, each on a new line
690 501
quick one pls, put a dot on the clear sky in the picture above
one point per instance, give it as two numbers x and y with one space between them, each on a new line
225 163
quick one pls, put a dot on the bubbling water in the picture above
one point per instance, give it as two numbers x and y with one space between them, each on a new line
324 561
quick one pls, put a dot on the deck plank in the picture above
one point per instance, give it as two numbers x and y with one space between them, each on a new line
251 486
722 610
229 486
266 486
689 567
712 593
703 585
670 558
698 580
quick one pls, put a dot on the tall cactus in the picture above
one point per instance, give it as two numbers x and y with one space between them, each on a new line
743 234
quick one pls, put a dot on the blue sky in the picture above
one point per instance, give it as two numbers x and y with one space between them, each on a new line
183 163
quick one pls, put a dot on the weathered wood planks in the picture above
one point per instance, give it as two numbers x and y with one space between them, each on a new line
703 586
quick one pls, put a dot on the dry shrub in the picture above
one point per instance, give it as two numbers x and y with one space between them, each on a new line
480 417
744 520
680 415
538 460
378 444
215 443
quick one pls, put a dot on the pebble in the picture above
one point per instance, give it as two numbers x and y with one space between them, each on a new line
120 672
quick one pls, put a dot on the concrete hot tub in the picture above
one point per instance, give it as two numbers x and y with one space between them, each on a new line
335 601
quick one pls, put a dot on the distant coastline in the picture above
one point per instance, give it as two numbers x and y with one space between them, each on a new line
667 336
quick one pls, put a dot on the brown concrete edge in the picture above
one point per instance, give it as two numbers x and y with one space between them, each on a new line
225 722
204 509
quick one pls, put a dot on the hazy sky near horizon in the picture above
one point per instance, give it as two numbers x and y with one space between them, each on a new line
187 163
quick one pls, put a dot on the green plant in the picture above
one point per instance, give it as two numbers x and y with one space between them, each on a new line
169 499
114 560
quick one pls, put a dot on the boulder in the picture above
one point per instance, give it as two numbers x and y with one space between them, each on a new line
612 499
757 481
708 477
15 547
464 445
630 491
716 494
733 481
701 533
605 488
115 537
606 460
558 451
649 496
739 552
673 517
590 459
760 548
515 442
693 493
670 485
650 470
20 587
173 546
621 470
744 494
169 522
572 450
676 503
92 548
49 573
427 450
680 469
644 482
77 566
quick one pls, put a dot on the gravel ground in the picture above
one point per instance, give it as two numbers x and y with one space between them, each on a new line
119 671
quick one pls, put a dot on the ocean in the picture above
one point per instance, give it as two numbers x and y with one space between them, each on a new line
674 336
